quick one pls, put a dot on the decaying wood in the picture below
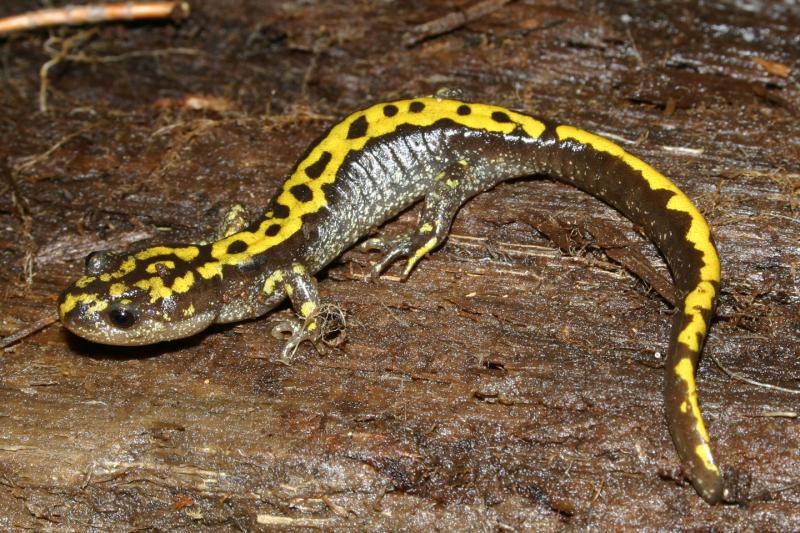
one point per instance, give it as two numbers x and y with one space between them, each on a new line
507 385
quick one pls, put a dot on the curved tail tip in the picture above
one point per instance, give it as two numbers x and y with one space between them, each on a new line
712 490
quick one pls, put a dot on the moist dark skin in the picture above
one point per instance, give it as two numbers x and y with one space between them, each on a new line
366 169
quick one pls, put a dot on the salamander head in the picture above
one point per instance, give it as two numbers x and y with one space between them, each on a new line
146 297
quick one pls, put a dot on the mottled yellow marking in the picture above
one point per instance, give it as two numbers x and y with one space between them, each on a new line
424 249
117 289
185 253
440 176
288 288
307 308
155 286
126 301
83 282
338 145
189 311
703 451
210 269
72 300
685 370
426 228
272 280
183 283
452 183
152 268
126 267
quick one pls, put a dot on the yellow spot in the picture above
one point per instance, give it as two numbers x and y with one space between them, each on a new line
72 300
298 269
440 176
312 326
83 282
186 253
117 289
685 371
210 269
426 228
183 283
269 283
152 268
127 266
126 301
288 289
307 308
463 162
427 247
703 451
155 286
452 183
189 311
700 299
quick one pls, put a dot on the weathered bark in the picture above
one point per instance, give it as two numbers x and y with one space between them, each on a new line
506 384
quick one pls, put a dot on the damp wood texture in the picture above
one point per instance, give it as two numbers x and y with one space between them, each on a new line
514 380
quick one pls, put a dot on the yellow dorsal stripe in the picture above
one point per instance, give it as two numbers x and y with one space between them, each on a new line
338 145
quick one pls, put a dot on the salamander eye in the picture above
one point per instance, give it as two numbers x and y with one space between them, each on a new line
98 262
122 317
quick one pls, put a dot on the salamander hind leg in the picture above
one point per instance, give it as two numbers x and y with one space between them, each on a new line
449 191
314 322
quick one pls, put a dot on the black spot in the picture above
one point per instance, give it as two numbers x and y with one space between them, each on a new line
273 229
464 110
280 211
315 170
390 110
416 107
499 116
358 128
302 193
237 247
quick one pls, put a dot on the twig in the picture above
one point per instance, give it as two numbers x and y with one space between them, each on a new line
66 48
27 331
91 14
27 162
739 377
451 21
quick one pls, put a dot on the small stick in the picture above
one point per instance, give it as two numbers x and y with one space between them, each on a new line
733 375
76 15
29 330
451 21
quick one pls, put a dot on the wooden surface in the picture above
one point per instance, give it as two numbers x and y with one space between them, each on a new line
507 385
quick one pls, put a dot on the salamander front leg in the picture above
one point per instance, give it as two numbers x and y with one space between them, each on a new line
441 204
301 289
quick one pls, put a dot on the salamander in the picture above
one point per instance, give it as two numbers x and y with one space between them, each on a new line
366 169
